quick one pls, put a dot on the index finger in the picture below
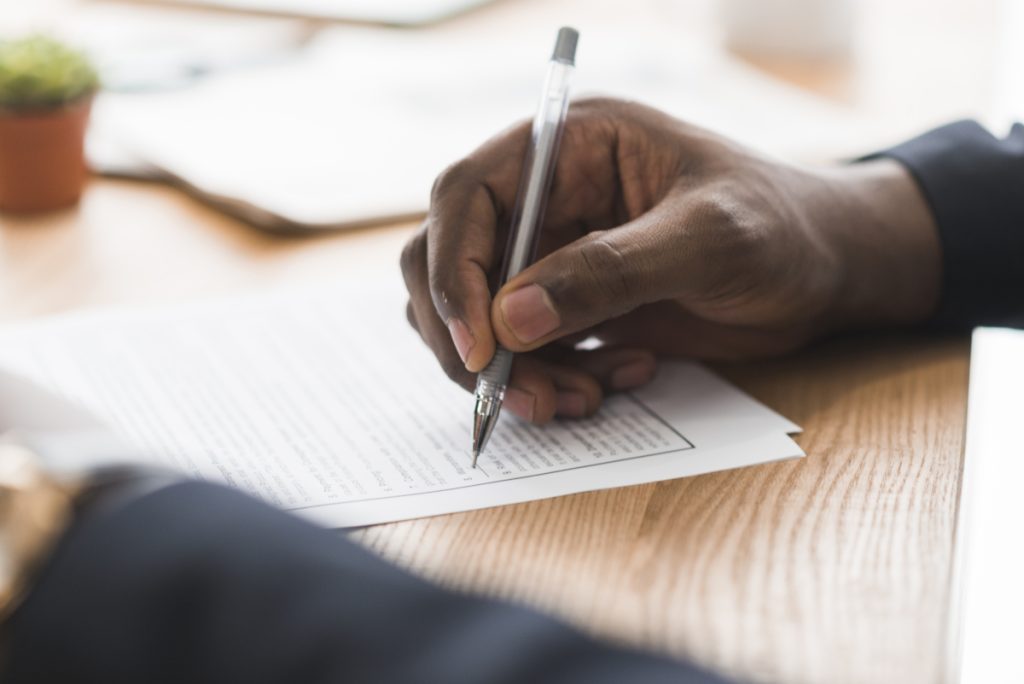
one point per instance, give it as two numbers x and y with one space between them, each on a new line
464 225
472 203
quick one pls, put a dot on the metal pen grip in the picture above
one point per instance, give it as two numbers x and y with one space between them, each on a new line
494 377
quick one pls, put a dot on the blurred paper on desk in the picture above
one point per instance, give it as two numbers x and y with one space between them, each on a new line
356 128
70 438
796 29
395 12
148 49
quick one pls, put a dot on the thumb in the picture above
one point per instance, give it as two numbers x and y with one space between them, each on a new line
601 276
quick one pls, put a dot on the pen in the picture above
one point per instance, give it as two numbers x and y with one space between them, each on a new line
532 195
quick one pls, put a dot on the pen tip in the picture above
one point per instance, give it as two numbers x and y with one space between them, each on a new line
476 455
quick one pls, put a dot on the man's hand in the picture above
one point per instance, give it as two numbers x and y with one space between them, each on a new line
660 238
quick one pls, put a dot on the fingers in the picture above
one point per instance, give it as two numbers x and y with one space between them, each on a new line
598 277
538 391
459 256
617 369
557 381
691 336
470 207
574 386
616 161
423 316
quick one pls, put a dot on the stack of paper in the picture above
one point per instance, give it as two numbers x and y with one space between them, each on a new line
397 12
355 128
325 403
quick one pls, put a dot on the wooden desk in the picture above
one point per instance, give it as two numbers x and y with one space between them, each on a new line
831 569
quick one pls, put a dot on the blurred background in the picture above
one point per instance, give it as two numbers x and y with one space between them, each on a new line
301 115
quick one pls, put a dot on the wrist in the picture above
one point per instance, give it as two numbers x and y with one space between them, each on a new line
886 244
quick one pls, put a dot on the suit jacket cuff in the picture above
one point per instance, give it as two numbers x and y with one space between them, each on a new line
974 183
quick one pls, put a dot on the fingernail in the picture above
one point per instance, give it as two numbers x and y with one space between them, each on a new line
520 403
632 375
529 313
571 404
462 338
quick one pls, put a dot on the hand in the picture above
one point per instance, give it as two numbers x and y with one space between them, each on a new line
660 238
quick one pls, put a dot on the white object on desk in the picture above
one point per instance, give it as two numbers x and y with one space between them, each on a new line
396 12
356 129
987 600
72 439
328 404
795 29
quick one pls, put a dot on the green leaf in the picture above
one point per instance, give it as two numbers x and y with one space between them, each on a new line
39 72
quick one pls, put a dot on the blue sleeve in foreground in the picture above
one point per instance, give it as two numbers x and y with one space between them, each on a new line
198 583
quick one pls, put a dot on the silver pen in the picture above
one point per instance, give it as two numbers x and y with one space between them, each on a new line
532 196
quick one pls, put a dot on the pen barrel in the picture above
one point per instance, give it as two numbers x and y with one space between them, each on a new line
531 198
493 379
538 170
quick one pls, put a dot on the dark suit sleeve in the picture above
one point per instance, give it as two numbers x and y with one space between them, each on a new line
197 583
974 183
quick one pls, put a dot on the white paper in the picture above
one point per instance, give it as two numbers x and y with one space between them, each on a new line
383 11
357 127
326 403
70 438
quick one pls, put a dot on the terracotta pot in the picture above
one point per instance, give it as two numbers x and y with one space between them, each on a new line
42 159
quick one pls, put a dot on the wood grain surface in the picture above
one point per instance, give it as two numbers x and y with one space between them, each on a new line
834 568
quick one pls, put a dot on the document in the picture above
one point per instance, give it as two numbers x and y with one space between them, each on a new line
324 402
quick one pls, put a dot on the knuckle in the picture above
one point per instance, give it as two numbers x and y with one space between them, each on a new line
453 177
727 225
605 270
619 109
596 110
732 242
596 102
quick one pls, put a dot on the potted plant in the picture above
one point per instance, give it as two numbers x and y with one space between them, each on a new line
46 91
